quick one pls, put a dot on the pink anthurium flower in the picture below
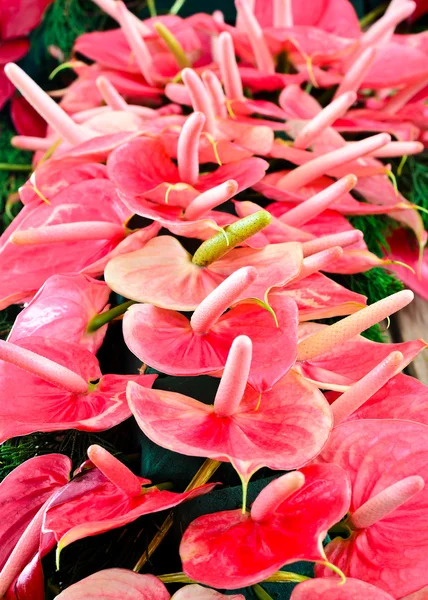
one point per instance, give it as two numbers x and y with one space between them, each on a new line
287 522
158 336
106 497
332 588
387 464
142 170
183 281
65 235
281 429
405 250
62 309
116 584
58 386
197 592
25 493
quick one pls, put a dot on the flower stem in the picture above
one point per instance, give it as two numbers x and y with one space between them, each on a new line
261 593
107 316
286 577
13 167
175 578
176 7
202 476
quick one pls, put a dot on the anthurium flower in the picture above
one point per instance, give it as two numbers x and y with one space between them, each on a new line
287 522
386 463
197 592
158 336
62 309
332 588
65 235
25 493
183 281
282 430
106 497
142 170
406 250
116 584
58 385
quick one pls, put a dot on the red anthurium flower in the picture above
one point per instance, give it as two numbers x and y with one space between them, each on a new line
405 250
158 336
281 430
65 235
180 284
332 588
52 388
104 498
62 309
336 357
142 170
116 584
287 522
387 464
25 493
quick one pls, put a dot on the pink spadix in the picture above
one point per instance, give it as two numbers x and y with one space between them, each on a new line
309 209
357 71
352 399
188 148
110 8
200 98
320 122
385 26
23 552
319 261
210 199
31 143
114 470
403 96
283 13
46 107
68 232
262 55
43 367
138 46
220 299
215 92
386 501
110 95
342 239
331 160
229 67
398 149
234 378
343 330
273 495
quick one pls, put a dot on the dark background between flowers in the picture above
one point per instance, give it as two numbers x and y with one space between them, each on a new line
63 22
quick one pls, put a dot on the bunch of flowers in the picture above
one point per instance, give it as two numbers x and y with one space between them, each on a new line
203 173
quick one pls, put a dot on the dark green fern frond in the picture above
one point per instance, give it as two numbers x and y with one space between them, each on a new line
413 182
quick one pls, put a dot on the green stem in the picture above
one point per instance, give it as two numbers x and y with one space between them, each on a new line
202 476
261 593
12 167
374 14
176 7
151 5
107 316
286 577
175 578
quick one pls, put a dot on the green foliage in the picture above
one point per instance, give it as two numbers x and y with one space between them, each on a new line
413 182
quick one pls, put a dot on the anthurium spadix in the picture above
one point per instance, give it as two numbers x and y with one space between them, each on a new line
282 429
105 497
58 385
386 461
332 588
25 494
62 309
287 522
182 281
167 341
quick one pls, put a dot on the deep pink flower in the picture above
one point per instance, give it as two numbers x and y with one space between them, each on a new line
334 589
58 385
386 462
24 493
106 497
405 250
169 342
281 429
62 309
287 522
